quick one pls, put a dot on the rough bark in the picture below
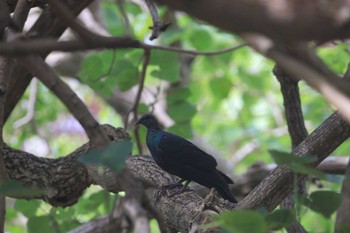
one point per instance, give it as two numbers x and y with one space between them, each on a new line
296 129
61 182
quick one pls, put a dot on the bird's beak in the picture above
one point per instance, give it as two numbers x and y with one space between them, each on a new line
137 122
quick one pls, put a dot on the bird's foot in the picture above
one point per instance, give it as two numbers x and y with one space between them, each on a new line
184 188
171 185
178 186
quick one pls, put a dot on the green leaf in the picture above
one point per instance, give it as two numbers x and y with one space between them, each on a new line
89 65
27 208
299 168
41 224
178 94
282 158
183 129
113 157
168 63
243 221
125 74
297 163
142 108
280 218
112 19
182 111
95 66
323 202
220 87
201 39
16 189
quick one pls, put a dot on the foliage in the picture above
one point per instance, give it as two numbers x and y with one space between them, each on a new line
249 221
107 157
231 100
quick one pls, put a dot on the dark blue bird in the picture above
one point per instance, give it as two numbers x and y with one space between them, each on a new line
180 157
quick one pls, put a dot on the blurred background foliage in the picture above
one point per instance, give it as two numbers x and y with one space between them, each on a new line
231 100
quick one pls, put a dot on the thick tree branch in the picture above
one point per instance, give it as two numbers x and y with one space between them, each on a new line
63 180
293 20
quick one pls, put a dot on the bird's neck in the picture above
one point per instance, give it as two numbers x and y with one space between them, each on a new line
153 138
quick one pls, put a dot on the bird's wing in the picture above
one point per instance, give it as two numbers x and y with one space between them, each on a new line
185 152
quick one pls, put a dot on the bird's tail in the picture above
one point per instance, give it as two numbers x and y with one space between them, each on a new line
226 178
226 194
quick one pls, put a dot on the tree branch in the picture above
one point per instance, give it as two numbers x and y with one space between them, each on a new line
36 66
296 128
291 19
321 142
45 26
63 180
343 214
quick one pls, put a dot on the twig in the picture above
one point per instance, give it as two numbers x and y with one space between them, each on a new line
20 14
40 46
45 74
125 17
44 46
68 18
30 106
195 52
134 109
158 26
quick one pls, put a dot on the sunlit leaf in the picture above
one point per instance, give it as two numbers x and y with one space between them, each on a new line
220 87
201 39
168 63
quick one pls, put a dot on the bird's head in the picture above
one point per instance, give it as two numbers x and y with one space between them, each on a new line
149 121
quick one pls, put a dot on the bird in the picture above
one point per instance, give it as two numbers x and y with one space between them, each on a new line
182 158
